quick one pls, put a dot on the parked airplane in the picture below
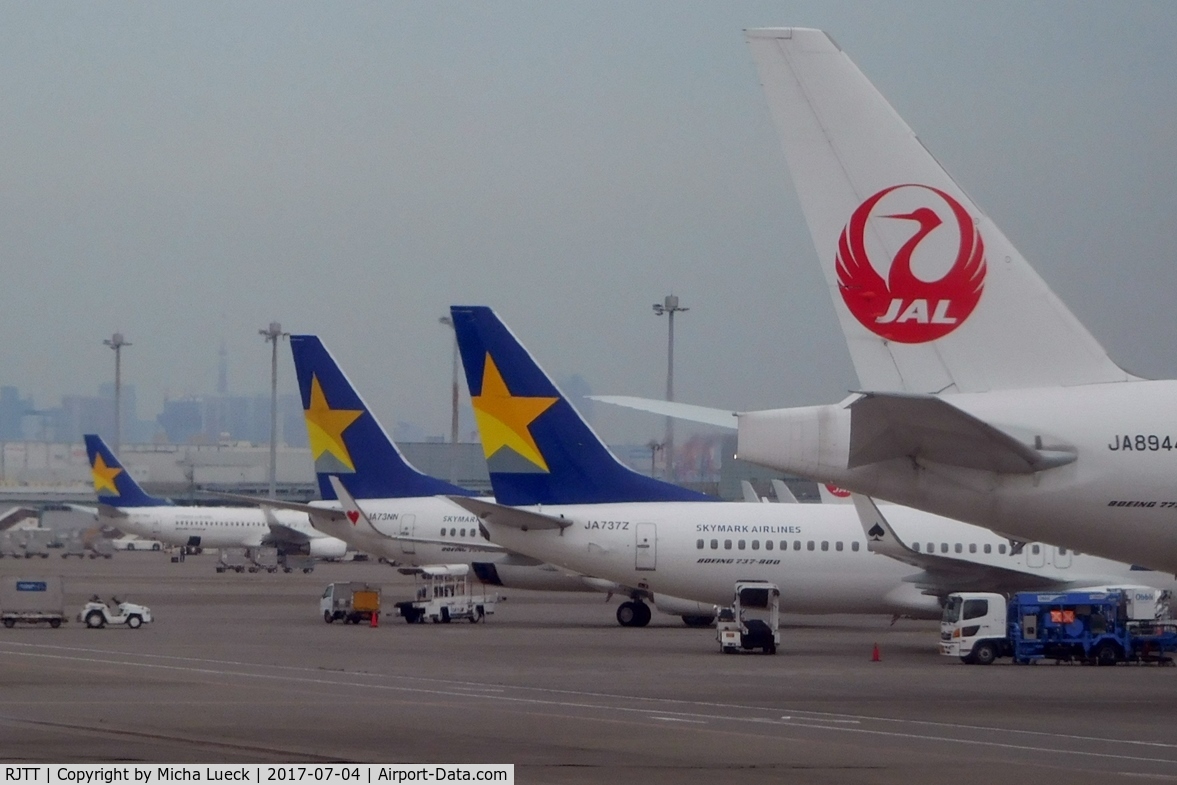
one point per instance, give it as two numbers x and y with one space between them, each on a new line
984 398
122 503
537 445
377 502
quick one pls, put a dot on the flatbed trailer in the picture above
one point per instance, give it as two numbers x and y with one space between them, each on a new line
31 601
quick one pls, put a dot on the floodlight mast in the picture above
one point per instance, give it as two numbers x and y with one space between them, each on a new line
117 342
273 334
670 307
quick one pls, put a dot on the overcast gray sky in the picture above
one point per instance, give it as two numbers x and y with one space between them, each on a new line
187 172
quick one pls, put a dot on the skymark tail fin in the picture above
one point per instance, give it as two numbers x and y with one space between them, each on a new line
346 439
538 449
931 296
112 482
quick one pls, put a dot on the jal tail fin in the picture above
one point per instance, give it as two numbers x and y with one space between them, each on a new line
538 449
346 440
113 484
931 296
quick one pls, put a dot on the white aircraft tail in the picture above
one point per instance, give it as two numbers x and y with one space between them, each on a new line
930 294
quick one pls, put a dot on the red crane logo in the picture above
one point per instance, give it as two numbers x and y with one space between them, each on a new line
905 308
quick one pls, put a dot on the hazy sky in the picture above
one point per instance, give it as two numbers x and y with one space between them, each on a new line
187 172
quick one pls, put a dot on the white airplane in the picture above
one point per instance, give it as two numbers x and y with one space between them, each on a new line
377 502
983 398
572 505
122 503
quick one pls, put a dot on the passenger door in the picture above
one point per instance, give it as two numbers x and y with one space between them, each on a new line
646 547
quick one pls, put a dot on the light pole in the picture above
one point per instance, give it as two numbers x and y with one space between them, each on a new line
670 307
117 342
449 322
273 334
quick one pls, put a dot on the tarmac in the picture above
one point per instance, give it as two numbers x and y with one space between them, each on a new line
242 668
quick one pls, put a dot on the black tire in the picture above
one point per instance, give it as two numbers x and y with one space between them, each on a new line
130 546
155 547
1107 653
644 615
55 623
445 615
134 621
95 620
627 613
984 653
328 617
698 621
10 623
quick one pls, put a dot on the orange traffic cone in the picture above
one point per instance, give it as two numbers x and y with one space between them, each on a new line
375 619
874 655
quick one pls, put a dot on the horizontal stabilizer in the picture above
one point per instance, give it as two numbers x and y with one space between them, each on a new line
721 418
107 511
514 517
323 513
885 426
16 515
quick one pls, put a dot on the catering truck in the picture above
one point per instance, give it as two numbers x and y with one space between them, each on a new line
31 601
1100 626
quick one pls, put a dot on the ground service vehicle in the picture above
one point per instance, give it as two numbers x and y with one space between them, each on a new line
97 614
445 593
31 601
264 558
231 560
1102 626
350 602
736 632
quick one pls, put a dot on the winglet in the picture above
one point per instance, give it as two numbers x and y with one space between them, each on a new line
346 438
113 484
880 537
783 494
538 448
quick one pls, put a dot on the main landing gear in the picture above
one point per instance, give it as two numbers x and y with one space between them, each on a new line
633 613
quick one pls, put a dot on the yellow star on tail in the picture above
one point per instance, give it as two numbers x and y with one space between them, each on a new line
503 418
325 426
104 476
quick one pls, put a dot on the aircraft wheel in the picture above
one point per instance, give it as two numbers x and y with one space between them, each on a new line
626 614
643 615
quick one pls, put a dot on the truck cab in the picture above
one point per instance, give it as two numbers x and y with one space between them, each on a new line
974 627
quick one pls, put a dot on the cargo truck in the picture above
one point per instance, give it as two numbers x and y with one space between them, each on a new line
445 593
353 602
31 601
1101 626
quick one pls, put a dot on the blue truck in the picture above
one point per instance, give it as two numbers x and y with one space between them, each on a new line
1100 626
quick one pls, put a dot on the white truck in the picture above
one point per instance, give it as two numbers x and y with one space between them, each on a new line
735 631
352 602
445 593
31 601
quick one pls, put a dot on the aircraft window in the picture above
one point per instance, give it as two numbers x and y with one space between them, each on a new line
727 545
699 544
462 533
988 548
796 545
453 532
915 546
442 531
809 545
768 545
825 545
854 546
714 544
958 548
1035 549
931 547
740 545
972 547
943 547
755 545
1001 548
838 545
1062 551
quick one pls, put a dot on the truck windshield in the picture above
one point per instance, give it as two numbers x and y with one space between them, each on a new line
952 610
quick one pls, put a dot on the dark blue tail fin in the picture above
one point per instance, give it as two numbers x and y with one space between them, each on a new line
346 440
538 449
113 483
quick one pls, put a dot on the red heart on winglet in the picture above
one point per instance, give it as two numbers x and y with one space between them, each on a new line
353 516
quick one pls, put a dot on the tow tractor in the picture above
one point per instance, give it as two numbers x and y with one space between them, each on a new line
444 593
736 632
97 614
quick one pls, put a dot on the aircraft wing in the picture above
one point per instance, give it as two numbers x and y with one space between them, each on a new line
723 418
15 516
884 426
509 516
942 574
324 513
281 533
106 511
